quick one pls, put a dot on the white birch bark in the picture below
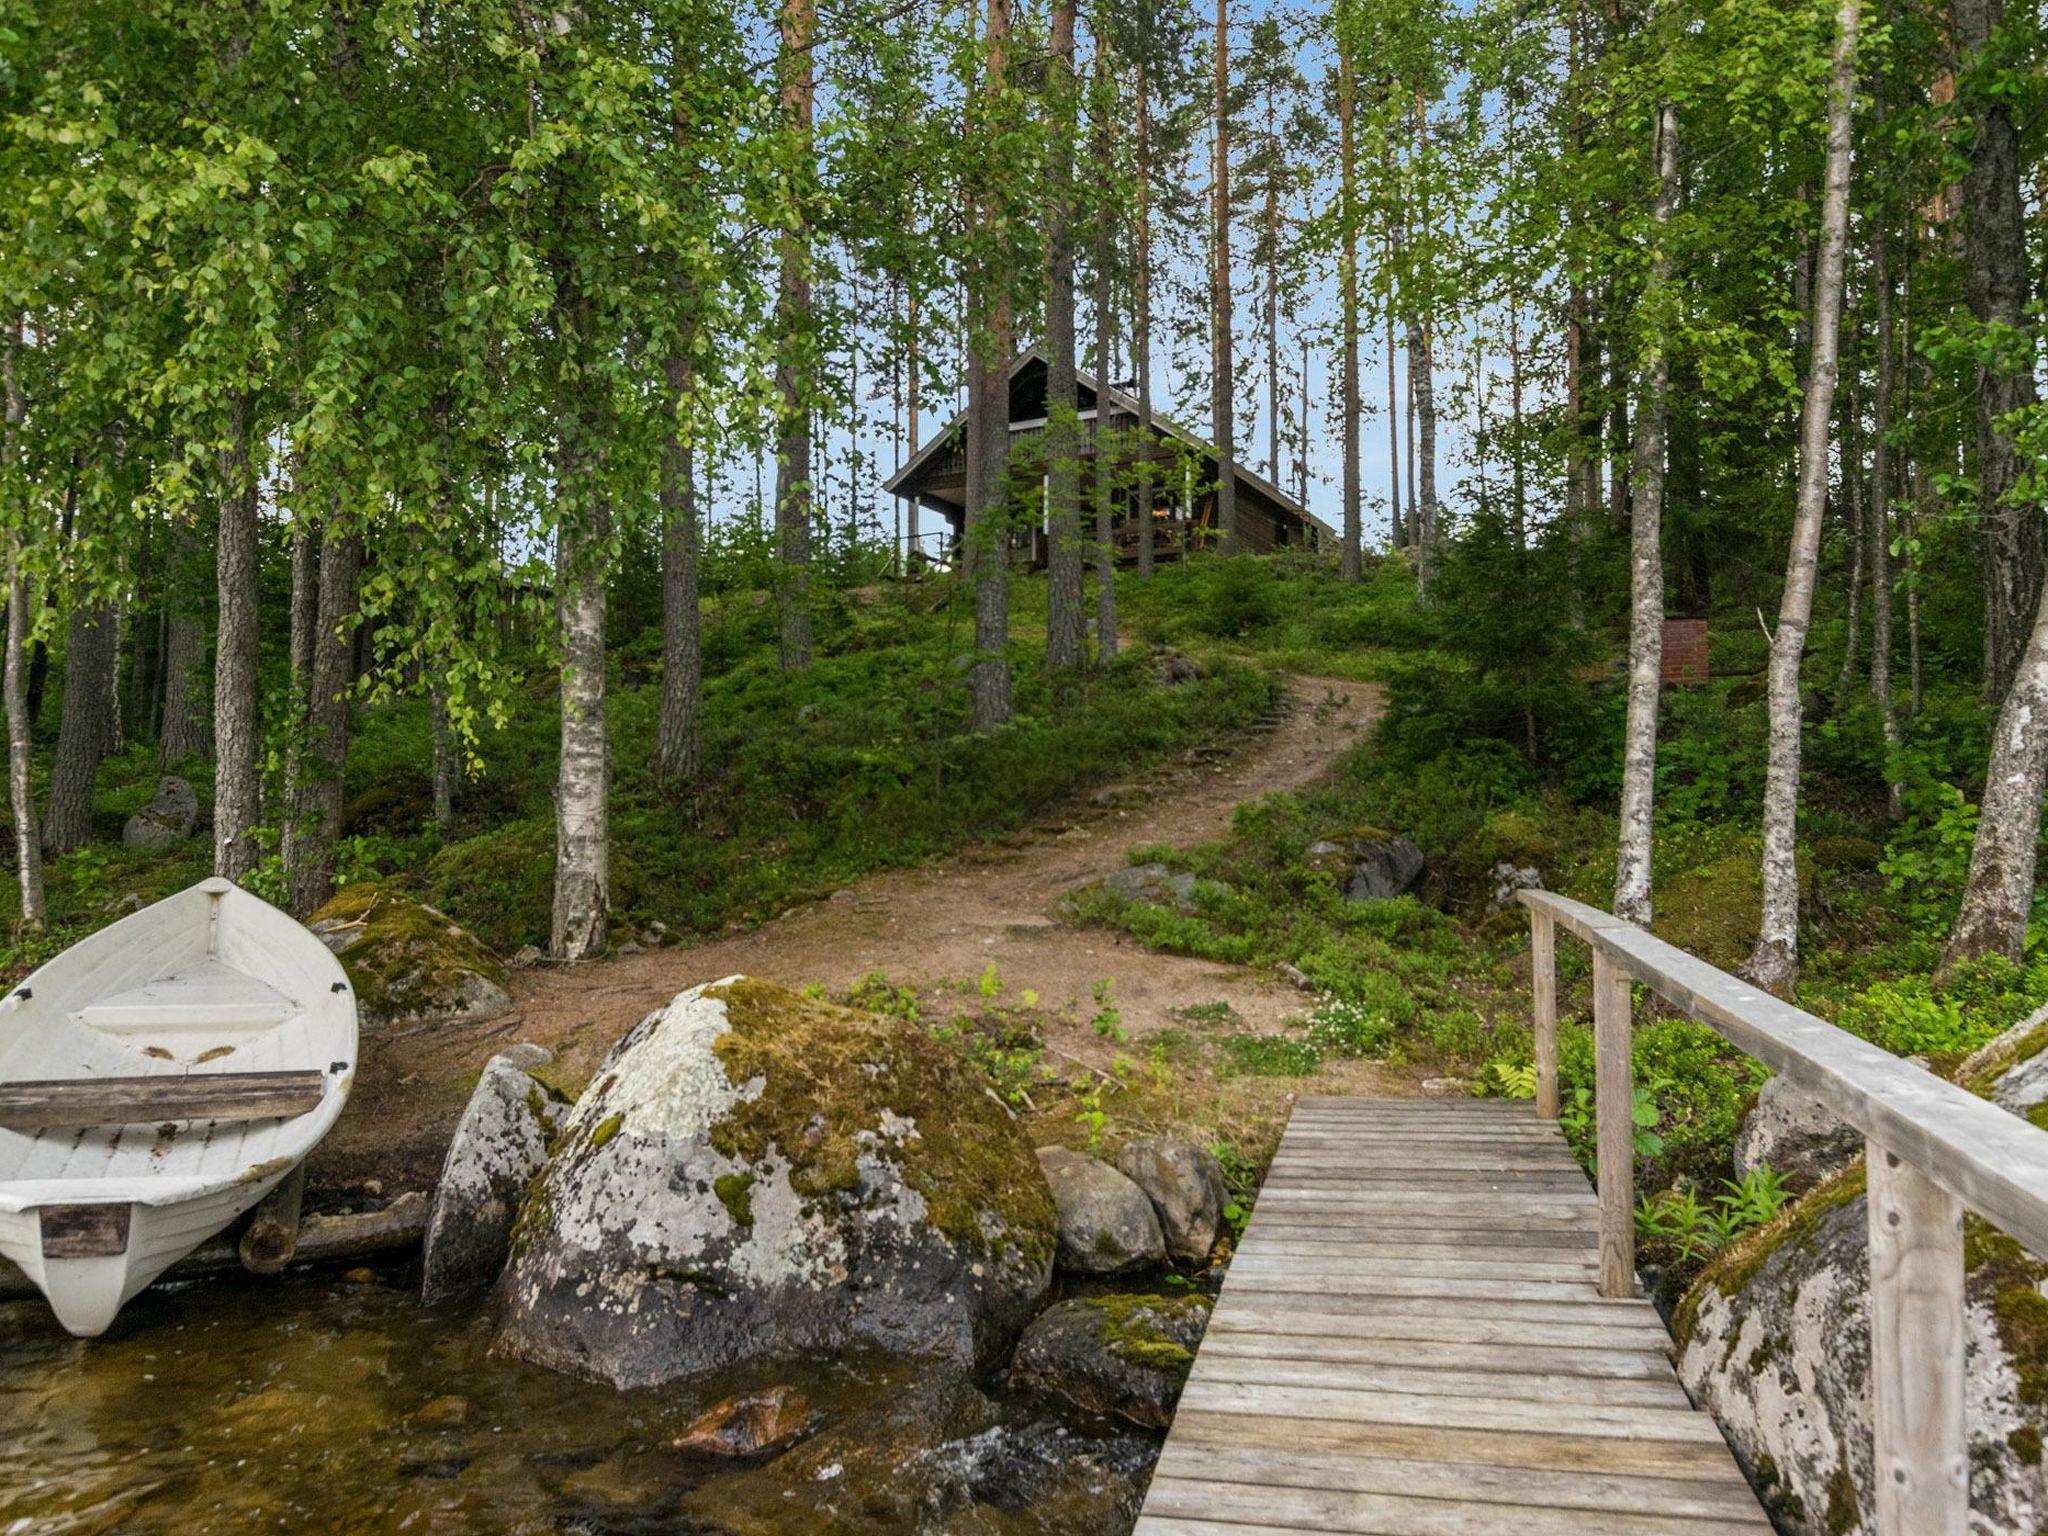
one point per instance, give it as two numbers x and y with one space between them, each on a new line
582 907
1646 608
1775 961
28 843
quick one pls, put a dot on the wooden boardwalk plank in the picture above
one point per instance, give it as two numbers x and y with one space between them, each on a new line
1410 1342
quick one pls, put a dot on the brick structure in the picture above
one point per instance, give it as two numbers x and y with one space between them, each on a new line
1685 650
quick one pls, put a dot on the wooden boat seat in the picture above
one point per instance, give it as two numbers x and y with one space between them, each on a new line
40 1105
207 995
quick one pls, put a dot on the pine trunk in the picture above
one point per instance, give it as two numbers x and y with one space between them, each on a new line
1065 628
582 906
84 736
1852 517
1880 518
187 728
1350 561
1632 896
1221 328
237 732
444 753
1422 384
1995 268
305 619
793 489
678 750
1774 964
988 425
1141 322
318 796
1104 484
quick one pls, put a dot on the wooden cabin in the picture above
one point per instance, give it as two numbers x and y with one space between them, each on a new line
1183 485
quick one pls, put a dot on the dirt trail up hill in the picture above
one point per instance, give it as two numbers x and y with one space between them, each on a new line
936 928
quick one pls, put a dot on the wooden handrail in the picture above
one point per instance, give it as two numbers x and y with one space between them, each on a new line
1932 1149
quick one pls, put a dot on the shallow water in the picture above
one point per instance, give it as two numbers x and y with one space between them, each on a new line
318 1404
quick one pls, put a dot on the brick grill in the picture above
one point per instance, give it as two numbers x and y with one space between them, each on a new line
1685 650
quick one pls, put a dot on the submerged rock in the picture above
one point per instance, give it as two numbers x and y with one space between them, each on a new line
754 1174
1775 1339
749 1425
170 817
409 963
1106 1223
1791 1131
500 1143
1184 1182
1125 1357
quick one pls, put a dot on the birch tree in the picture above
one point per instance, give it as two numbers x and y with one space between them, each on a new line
1774 963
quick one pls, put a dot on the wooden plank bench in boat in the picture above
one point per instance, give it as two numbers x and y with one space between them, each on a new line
46 1104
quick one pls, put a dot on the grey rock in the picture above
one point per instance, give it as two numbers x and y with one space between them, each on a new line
170 817
693 1219
1106 1223
526 957
1368 868
527 1056
500 1143
1125 1357
1792 1132
1175 671
1184 1182
1507 878
1154 883
410 963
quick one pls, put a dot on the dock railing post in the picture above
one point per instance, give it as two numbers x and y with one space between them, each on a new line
1543 971
1921 1456
1614 1103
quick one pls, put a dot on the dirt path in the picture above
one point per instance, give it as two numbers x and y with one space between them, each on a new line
936 928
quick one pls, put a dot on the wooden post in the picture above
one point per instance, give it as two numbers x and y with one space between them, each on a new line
1916 1350
1543 970
273 1235
1614 1100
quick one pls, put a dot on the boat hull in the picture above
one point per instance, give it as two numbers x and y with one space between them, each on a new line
87 1291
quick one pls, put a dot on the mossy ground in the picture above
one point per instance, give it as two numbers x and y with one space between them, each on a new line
833 1077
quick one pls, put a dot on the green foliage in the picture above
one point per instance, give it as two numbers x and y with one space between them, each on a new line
1679 1221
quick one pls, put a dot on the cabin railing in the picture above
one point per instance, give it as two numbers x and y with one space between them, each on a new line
1933 1150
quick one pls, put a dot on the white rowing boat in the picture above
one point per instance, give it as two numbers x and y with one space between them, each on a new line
157 1080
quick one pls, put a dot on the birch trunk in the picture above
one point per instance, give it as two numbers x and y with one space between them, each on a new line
1421 375
1104 486
1646 556
1852 516
444 753
318 792
1065 637
236 730
1775 962
678 749
988 423
305 618
1995 268
1350 561
1398 535
1221 329
1880 516
28 844
582 905
793 489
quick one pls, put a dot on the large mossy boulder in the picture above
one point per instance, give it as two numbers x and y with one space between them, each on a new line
1774 1338
754 1174
408 962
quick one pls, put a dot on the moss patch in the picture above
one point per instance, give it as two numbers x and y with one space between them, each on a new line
1141 1330
833 1078
1736 1265
2009 1278
735 1192
404 958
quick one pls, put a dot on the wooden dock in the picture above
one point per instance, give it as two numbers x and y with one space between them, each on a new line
1411 1342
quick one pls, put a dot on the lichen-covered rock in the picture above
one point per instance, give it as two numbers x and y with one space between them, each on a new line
1367 864
1121 1356
500 1144
167 820
1154 883
754 1174
1106 1223
1795 1134
1184 1182
1506 878
1775 1339
408 962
